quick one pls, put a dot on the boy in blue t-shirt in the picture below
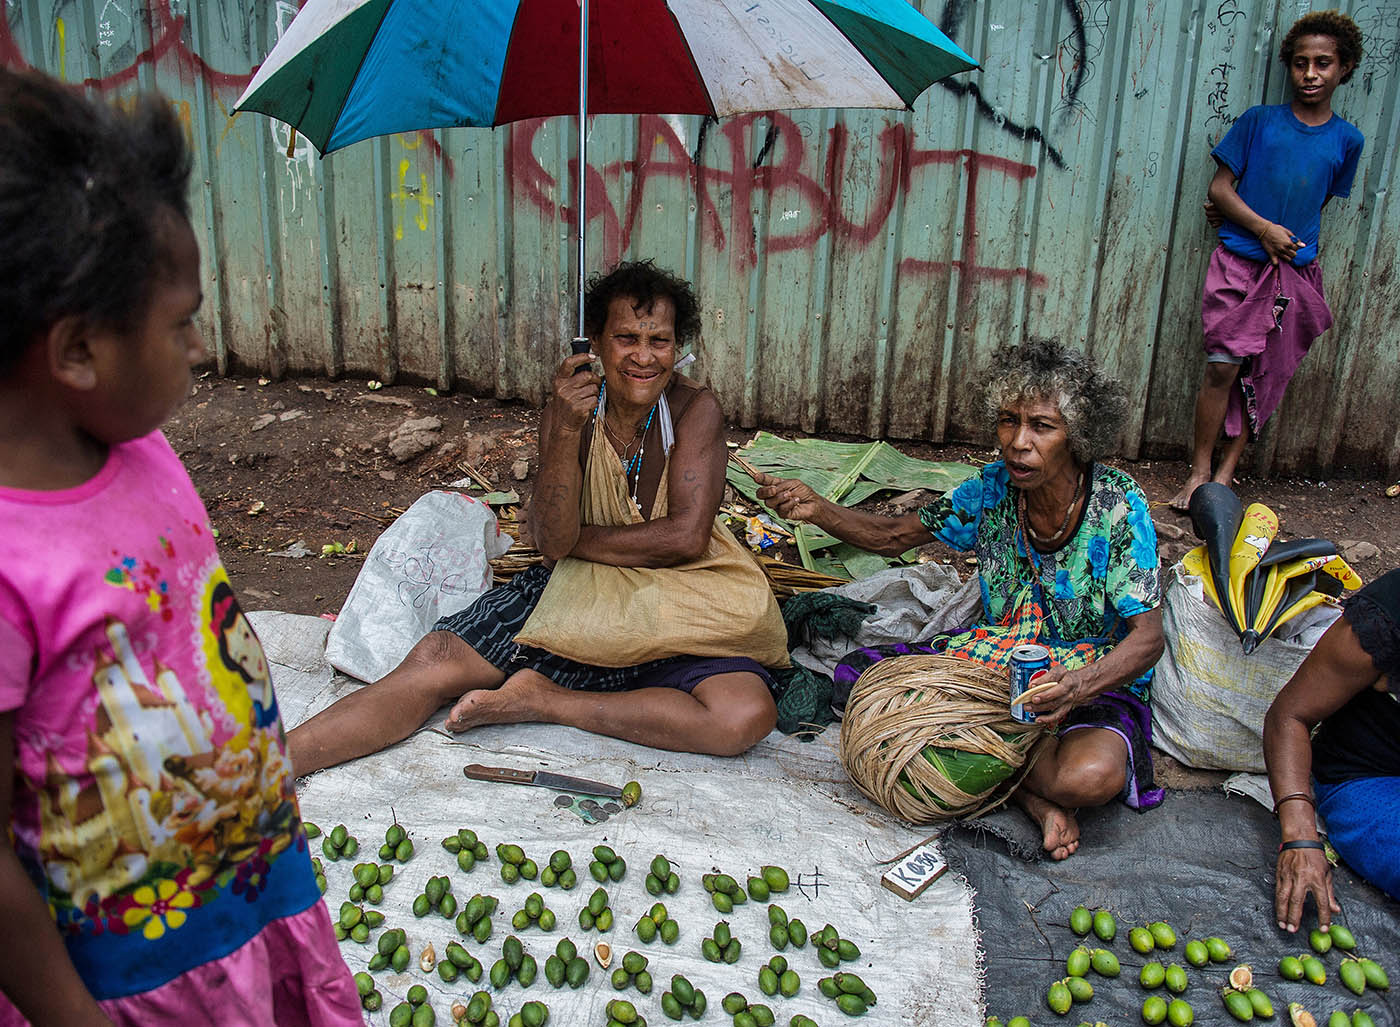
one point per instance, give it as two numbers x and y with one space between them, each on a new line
1263 303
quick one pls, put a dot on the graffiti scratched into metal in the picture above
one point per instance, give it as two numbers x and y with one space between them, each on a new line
1380 26
1218 99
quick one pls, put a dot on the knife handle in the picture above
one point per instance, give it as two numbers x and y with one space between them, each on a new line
481 773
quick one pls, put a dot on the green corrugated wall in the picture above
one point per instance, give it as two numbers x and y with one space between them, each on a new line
855 267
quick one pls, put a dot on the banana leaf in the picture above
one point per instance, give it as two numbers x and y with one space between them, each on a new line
846 561
846 473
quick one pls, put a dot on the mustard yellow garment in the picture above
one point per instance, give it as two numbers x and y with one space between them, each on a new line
594 613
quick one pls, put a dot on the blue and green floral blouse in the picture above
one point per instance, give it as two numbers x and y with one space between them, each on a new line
1107 572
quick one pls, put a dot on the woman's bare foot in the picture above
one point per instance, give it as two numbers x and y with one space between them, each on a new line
1182 500
1059 828
512 702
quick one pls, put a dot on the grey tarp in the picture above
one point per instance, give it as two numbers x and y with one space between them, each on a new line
1203 862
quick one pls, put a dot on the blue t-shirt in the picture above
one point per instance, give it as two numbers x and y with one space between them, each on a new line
1286 170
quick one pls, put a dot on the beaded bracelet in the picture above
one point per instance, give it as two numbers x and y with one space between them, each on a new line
1302 843
1305 796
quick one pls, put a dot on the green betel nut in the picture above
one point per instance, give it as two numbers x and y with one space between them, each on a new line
1163 936
1105 926
1079 989
1180 1013
776 878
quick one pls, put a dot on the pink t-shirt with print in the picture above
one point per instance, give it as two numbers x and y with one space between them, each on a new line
153 802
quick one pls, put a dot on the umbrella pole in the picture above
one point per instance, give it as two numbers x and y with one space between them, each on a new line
580 343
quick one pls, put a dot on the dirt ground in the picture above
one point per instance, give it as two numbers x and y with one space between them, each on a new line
287 468
311 461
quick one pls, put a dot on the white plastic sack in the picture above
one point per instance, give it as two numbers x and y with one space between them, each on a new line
432 561
914 604
1208 698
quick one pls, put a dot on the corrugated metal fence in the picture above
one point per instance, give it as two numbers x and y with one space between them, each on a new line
855 267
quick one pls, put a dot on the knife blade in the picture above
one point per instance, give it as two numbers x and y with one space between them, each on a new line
542 779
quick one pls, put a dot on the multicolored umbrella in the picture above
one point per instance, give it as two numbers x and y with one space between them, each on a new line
348 70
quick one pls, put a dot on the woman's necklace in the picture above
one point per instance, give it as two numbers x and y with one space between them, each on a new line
624 448
632 468
1064 525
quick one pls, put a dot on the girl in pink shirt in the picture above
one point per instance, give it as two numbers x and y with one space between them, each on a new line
155 868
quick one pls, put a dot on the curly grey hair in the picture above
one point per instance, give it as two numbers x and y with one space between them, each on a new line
1093 404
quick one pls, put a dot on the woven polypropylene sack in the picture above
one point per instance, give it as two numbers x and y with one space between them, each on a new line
1208 698
433 561
907 713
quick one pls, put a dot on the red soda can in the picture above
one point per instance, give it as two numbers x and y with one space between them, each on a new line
1027 661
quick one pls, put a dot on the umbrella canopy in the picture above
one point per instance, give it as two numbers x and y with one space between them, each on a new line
348 70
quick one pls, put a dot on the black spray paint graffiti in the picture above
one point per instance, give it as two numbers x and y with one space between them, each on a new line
1076 44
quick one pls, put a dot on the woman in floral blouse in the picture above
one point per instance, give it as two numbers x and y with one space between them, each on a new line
1063 543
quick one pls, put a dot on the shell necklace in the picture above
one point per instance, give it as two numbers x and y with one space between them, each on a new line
1064 525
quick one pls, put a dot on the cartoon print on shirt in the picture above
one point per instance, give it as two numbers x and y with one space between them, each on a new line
167 802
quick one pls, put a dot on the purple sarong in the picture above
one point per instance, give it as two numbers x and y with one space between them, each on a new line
1267 314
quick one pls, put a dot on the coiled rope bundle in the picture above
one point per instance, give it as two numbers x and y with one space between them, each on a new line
932 738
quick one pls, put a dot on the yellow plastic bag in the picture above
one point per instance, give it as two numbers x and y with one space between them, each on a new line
594 613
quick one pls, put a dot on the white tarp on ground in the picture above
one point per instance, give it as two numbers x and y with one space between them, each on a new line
784 802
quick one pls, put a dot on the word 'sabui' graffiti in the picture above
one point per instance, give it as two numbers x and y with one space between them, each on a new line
662 155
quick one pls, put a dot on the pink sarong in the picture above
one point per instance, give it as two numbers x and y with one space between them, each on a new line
290 974
1267 314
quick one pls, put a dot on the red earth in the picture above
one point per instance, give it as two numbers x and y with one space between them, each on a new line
309 461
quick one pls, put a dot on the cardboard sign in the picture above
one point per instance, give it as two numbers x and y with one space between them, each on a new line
914 872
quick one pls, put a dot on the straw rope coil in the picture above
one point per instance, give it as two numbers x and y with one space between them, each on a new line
918 730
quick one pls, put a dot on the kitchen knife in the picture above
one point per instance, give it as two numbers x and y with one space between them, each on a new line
543 779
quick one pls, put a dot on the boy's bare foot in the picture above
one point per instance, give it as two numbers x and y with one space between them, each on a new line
1058 827
1182 500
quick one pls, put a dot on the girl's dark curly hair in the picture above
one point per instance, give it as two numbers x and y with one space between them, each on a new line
85 190
643 282
1093 404
1326 23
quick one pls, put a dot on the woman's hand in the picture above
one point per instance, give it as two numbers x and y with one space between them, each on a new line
1301 872
789 498
575 394
1053 705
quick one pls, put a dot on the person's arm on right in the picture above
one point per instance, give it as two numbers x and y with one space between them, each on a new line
1336 670
1279 242
36 973
792 500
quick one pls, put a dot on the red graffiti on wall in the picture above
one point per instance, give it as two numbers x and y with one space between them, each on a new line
662 155
167 42
168 46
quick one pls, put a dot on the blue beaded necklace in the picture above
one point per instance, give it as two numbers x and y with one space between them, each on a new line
632 470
